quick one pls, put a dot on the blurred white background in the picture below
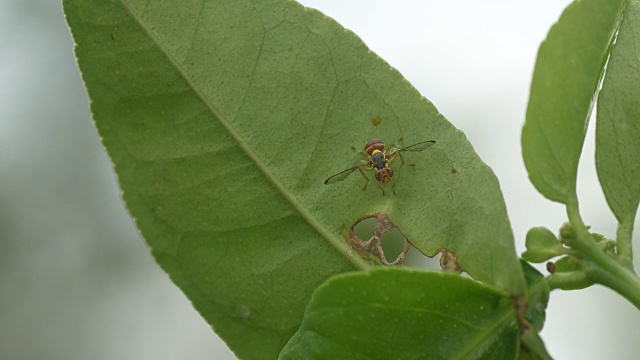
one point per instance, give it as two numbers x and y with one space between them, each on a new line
76 282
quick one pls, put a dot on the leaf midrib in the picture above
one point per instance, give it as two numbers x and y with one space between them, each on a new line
334 240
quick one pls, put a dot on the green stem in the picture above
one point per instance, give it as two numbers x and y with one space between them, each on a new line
600 267
575 280
623 240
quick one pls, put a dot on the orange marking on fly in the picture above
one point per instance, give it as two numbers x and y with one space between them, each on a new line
376 158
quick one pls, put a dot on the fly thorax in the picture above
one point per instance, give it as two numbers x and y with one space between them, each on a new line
378 159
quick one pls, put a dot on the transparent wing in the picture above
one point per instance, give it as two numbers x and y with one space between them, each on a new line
415 147
340 176
418 147
343 174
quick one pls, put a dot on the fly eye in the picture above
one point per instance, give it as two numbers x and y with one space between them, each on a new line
384 175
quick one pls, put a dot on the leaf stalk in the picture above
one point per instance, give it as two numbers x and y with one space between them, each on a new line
623 240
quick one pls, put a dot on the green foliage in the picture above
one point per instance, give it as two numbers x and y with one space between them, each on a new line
618 121
538 296
568 69
370 315
542 245
591 36
566 264
222 123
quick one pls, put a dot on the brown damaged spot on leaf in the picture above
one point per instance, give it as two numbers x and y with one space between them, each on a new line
520 304
373 246
449 261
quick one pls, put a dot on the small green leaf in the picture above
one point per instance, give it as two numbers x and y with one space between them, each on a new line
393 313
532 346
618 123
566 264
568 69
538 296
542 245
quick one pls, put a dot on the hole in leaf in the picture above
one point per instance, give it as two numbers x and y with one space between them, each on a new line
386 242
416 259
364 228
392 244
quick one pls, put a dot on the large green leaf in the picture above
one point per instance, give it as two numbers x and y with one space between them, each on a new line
223 119
393 313
618 124
565 81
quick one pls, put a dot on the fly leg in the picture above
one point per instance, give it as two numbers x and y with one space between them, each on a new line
393 186
393 146
367 157
381 188
365 177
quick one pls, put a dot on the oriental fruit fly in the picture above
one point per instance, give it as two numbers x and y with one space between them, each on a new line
375 157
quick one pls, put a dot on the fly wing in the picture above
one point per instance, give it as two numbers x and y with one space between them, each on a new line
415 147
343 174
340 176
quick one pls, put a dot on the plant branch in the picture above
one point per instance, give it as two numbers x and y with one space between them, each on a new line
600 267
575 280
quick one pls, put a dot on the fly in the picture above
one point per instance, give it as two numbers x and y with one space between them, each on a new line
376 158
